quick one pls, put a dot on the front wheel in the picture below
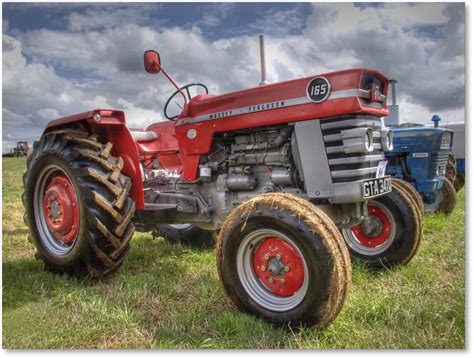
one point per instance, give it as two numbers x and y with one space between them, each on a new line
392 233
284 261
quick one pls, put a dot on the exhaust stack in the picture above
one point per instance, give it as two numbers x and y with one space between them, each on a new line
262 61
394 115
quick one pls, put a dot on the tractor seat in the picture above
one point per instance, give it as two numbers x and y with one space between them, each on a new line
143 136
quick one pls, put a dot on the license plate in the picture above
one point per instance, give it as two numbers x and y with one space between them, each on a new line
377 186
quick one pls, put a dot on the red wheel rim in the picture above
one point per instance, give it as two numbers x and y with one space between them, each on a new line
383 236
61 211
278 266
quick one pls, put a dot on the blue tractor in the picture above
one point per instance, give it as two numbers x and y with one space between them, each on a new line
422 156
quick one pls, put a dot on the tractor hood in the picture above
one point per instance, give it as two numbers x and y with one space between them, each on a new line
417 139
355 91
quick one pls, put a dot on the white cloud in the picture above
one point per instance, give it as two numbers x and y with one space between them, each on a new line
105 59
47 113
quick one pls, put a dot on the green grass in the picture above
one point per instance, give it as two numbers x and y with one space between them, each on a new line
169 297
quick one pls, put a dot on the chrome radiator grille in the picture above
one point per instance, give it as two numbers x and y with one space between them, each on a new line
347 167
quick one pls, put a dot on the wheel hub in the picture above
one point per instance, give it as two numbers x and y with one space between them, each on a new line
276 267
55 209
60 209
379 231
279 266
372 226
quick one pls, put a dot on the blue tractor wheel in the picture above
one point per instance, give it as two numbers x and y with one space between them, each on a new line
448 198
459 181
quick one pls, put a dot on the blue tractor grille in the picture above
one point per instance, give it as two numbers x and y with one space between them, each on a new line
438 160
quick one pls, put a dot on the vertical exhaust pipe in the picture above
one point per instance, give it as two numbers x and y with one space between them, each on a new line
393 118
263 67
394 91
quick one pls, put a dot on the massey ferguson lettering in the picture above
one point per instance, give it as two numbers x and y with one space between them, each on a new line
250 109
263 107
220 115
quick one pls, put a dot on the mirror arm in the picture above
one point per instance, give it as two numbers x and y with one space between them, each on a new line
174 84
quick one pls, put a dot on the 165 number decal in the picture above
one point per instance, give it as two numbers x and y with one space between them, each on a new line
318 89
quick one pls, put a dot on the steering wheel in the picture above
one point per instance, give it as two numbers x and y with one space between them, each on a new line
184 89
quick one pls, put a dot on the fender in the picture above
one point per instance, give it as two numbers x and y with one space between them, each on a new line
110 126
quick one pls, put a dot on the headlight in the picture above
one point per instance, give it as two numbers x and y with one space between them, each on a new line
358 140
446 141
387 139
369 139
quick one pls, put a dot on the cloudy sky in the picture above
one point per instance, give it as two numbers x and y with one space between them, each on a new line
60 59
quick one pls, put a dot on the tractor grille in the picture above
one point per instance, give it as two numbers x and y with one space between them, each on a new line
439 159
347 167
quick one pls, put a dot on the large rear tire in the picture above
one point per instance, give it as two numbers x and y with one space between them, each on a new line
459 181
77 205
448 203
188 235
284 261
450 173
396 235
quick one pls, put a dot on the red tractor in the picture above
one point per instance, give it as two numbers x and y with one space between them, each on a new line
278 171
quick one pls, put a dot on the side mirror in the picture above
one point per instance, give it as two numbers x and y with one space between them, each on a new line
152 61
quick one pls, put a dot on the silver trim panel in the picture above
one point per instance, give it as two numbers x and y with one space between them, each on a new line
309 148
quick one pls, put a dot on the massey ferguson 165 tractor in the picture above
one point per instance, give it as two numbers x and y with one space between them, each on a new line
278 170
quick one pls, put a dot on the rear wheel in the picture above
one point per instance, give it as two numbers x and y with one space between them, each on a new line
77 205
392 235
451 159
459 181
284 261
450 173
188 235
448 201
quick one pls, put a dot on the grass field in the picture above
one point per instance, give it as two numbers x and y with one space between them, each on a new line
169 297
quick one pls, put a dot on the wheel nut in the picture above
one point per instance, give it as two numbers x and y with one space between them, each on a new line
278 256
266 257
262 268
282 280
287 268
270 280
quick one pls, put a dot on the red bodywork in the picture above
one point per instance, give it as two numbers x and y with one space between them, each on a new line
176 149
111 128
